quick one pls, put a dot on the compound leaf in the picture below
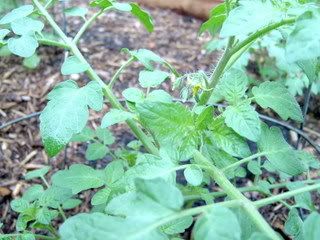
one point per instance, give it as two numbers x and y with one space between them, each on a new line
277 97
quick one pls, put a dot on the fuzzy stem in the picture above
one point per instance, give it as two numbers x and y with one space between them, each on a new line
146 141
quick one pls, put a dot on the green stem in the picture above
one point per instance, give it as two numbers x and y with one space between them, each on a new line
292 193
59 208
37 236
224 61
236 164
86 25
120 70
146 141
49 42
235 194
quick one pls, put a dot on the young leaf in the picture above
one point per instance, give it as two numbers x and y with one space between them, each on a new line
302 200
193 175
19 205
216 223
96 151
26 25
105 136
177 226
54 196
37 173
31 62
33 192
73 65
113 172
244 120
293 225
254 167
227 139
71 203
78 178
277 97
76 12
133 95
145 57
175 132
101 196
159 96
249 17
152 78
67 113
85 135
278 152
24 46
143 16
45 216
304 41
233 85
16 14
115 116
311 230
218 16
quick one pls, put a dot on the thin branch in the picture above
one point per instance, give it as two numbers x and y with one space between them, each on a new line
17 120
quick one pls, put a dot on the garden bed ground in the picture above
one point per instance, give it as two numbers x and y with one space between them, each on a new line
23 92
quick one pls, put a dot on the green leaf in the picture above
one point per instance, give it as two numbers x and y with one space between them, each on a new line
277 97
67 113
159 96
214 23
96 151
233 85
147 203
31 62
71 203
115 116
143 16
26 26
113 172
311 230
278 152
177 226
24 46
311 68
33 192
78 178
76 11
193 175
244 120
175 132
293 225
16 14
227 139
259 236
73 65
303 200
85 135
149 167
304 41
37 173
133 95
249 17
105 136
101 196
45 216
216 223
254 167
54 196
152 78
19 205
145 57
94 226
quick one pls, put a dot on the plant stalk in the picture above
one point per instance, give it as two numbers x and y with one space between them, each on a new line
146 141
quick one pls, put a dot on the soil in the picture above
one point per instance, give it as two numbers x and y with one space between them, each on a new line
23 92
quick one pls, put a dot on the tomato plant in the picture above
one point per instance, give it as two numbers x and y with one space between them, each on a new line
137 195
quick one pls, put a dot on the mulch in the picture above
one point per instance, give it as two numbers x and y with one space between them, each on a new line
24 91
